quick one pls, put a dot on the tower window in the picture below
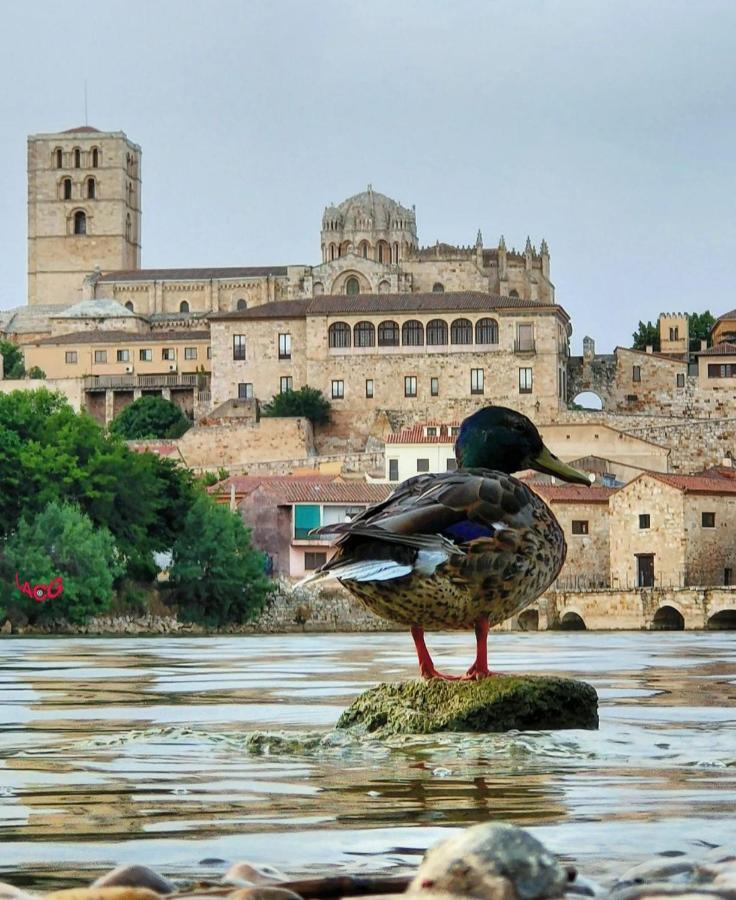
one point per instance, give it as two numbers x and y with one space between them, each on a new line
95 157
58 158
183 306
66 189
438 288
129 305
128 228
80 222
91 189
241 305
77 158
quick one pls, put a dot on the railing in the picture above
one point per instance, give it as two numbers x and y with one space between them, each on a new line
525 346
173 379
303 534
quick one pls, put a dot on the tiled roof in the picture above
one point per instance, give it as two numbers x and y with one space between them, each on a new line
160 449
723 349
416 434
728 472
696 484
731 314
244 484
99 336
192 274
82 129
279 309
351 304
670 357
302 491
573 493
94 309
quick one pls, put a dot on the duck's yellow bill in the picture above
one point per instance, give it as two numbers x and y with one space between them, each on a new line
548 463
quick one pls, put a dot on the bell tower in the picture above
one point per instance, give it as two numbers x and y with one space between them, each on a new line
84 210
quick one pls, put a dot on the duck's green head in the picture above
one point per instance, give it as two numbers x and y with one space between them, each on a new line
499 438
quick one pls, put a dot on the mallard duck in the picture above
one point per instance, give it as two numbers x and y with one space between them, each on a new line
468 548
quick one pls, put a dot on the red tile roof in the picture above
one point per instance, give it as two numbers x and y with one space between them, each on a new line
695 484
245 484
192 274
731 314
159 449
723 349
353 304
573 493
100 336
335 492
416 434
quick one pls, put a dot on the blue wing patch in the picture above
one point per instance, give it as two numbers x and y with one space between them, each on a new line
468 531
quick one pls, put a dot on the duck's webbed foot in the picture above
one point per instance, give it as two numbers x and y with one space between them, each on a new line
480 669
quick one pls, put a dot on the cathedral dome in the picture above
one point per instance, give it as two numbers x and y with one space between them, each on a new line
370 210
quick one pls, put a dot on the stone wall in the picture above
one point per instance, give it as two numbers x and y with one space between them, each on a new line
71 388
695 443
587 561
241 445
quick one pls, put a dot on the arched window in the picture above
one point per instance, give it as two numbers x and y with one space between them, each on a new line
91 189
352 285
95 157
412 334
384 252
438 288
77 157
461 331
363 249
345 248
66 188
364 335
58 158
333 251
384 287
388 334
318 289
241 305
396 251
183 306
486 331
338 334
436 333
129 305
128 228
514 294
80 222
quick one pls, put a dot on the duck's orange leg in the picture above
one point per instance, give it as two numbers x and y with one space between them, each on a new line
426 666
479 669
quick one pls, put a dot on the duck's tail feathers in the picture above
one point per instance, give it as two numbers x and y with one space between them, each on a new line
360 570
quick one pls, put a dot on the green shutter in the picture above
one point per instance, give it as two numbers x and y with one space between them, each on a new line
306 517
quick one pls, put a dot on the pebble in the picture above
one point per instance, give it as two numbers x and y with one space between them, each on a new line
656 870
135 876
492 862
246 874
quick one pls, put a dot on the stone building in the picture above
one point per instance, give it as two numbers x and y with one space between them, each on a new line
422 355
673 531
84 211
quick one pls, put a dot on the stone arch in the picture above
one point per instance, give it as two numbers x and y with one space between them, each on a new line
383 252
129 305
384 287
528 620
345 283
572 621
241 304
723 620
588 400
345 248
184 306
365 250
318 288
668 618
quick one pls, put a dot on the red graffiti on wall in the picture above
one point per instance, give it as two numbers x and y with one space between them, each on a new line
41 592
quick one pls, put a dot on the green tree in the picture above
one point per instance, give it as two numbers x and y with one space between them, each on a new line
307 402
647 335
36 372
60 541
12 360
216 576
150 417
700 325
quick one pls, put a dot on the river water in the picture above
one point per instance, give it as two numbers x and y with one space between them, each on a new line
143 750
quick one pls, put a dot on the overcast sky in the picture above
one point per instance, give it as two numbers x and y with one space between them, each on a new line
607 127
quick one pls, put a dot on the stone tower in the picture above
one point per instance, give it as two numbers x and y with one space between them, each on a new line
84 210
674 332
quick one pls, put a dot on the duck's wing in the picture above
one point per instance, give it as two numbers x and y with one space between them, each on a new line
447 512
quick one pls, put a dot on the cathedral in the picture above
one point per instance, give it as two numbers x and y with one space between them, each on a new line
84 243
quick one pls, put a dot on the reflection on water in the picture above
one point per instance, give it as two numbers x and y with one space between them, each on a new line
153 750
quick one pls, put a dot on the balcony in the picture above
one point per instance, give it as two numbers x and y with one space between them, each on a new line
131 382
525 347
303 534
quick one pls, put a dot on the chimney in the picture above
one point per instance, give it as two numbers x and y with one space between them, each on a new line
650 348
703 344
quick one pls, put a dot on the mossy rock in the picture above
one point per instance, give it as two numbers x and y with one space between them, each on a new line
499 703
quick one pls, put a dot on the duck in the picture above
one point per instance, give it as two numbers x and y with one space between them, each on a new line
461 549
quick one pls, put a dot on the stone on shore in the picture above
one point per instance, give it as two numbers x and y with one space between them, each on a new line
135 876
499 703
103 893
246 874
491 862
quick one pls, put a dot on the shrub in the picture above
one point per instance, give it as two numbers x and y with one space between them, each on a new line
36 372
12 360
307 402
150 417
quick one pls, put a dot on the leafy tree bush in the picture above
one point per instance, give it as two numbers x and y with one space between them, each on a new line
150 417
36 372
216 575
12 360
647 335
50 453
307 402
700 326
59 541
